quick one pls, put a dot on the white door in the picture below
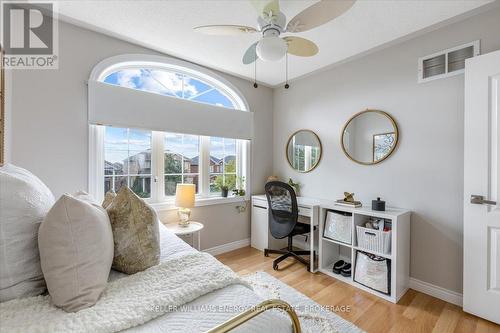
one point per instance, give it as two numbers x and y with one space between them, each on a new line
482 187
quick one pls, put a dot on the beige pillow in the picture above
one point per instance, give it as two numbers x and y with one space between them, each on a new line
76 251
135 233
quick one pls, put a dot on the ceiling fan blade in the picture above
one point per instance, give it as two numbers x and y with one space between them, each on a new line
225 30
318 14
250 55
264 7
300 46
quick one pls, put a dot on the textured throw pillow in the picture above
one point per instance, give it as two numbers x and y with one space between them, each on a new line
76 251
135 233
24 202
108 199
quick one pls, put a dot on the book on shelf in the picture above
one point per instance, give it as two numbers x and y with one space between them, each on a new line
352 204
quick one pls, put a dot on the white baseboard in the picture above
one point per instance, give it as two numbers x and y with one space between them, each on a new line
216 250
439 292
424 287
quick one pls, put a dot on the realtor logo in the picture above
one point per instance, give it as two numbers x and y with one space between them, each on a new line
29 35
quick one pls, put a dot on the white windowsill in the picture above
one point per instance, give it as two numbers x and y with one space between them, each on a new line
200 202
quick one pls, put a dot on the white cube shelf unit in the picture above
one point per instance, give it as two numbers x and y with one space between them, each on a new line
330 250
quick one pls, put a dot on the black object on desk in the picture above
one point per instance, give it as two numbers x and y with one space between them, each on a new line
378 205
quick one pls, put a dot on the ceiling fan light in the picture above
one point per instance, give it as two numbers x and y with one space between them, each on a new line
271 48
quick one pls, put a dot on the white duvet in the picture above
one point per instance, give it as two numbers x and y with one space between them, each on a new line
188 292
211 309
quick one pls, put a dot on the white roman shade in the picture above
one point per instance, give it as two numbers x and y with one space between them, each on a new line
124 107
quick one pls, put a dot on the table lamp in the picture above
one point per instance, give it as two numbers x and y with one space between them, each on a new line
184 199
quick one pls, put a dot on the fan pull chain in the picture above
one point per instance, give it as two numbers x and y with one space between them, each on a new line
255 85
286 71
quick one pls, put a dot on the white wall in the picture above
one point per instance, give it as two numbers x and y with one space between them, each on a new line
425 173
49 134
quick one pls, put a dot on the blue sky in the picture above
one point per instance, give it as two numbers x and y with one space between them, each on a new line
168 84
118 142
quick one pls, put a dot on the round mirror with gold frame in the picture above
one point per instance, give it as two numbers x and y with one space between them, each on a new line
304 150
369 137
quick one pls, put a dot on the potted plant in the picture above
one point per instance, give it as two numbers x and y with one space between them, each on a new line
224 190
295 186
240 190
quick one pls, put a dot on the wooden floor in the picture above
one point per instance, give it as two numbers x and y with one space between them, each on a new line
415 312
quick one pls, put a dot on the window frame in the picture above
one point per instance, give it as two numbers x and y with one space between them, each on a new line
158 199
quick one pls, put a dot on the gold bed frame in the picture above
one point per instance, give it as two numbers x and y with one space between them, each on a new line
254 312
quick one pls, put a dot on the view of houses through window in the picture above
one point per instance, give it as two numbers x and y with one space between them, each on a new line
222 164
127 160
129 154
182 159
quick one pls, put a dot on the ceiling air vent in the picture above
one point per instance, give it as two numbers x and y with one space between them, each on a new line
447 62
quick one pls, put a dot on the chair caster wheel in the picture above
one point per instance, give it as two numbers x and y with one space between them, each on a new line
275 267
266 254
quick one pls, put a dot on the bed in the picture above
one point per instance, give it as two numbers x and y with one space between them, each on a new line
209 310
188 291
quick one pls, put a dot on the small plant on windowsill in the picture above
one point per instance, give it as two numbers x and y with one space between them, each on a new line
224 191
240 192
240 187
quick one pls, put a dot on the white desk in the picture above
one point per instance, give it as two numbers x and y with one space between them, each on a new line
261 238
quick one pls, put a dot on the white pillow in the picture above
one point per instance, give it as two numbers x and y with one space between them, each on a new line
24 202
76 251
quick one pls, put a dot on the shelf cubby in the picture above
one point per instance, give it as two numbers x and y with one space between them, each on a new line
331 250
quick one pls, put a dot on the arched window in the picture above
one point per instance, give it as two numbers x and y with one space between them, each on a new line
168 83
153 143
169 77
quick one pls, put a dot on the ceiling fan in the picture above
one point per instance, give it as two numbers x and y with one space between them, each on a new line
272 23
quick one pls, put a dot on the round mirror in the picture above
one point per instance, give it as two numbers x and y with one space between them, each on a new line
369 137
303 150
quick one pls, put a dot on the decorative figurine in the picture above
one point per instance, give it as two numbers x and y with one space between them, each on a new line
348 201
348 197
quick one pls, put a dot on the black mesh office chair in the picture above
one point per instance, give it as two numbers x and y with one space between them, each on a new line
284 213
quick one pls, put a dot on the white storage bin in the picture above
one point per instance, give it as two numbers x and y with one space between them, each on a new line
373 272
338 226
374 240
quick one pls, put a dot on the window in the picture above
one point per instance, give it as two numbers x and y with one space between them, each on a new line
153 162
182 161
130 156
127 160
222 164
169 84
174 83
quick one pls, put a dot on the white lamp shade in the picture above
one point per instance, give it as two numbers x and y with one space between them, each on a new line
184 195
271 48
